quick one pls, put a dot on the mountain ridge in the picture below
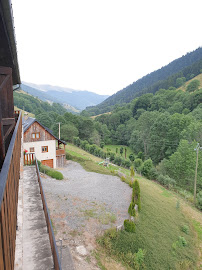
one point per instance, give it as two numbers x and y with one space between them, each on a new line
186 66
79 99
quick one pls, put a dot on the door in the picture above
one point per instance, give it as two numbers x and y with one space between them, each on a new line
47 162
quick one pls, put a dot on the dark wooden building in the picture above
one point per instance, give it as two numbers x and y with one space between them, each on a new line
10 138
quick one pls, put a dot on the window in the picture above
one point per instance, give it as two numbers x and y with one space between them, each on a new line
31 149
44 149
36 135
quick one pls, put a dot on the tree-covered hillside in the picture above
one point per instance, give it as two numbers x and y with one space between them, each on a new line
162 129
187 67
35 105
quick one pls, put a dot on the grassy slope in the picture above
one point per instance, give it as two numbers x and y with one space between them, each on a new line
198 77
88 161
159 223
159 226
113 149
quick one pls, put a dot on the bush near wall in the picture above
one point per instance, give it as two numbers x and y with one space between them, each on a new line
49 171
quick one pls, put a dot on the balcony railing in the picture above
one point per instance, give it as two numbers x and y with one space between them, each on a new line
9 182
30 159
60 152
56 259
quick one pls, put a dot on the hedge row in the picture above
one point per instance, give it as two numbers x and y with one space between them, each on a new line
99 152
50 172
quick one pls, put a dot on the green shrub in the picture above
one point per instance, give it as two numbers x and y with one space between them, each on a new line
102 144
50 172
76 141
39 164
44 169
136 194
147 166
55 174
112 157
131 210
126 163
132 172
182 242
166 181
123 179
193 85
132 157
138 163
68 156
199 200
129 226
118 161
185 229
153 174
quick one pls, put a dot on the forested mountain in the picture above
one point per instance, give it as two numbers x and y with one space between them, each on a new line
79 100
187 66
162 129
35 105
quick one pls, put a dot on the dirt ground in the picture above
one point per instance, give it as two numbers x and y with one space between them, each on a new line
82 207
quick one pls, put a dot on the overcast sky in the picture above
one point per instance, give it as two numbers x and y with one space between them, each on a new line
102 45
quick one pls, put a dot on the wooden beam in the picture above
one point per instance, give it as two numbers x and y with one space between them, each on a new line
8 121
2 145
9 131
5 70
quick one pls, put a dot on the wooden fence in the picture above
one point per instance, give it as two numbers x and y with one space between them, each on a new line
9 182
56 258
29 159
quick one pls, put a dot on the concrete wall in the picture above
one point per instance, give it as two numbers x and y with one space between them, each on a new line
51 154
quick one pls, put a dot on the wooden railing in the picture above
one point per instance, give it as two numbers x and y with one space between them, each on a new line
7 117
56 258
9 182
60 152
29 159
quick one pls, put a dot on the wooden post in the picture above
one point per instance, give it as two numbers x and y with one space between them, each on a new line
2 145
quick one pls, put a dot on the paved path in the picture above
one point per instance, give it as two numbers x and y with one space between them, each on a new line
33 251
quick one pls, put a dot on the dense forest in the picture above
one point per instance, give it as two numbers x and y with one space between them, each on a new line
187 67
162 129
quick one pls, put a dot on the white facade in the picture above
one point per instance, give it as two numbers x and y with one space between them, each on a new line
51 154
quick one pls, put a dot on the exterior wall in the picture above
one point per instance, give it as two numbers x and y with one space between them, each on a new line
35 128
60 161
51 154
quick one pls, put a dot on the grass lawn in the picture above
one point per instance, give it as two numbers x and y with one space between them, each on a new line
158 231
87 161
158 225
113 149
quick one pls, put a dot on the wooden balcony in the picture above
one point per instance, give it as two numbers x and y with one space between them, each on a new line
9 182
60 152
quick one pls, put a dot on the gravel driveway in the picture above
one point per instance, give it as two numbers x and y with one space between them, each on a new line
83 205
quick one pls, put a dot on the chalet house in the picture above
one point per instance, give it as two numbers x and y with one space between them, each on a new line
40 140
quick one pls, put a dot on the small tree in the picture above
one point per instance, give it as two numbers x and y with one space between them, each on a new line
147 166
121 151
136 194
125 152
132 172
102 144
131 157
193 85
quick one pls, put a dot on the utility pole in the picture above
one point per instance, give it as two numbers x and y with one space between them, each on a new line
195 180
59 130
